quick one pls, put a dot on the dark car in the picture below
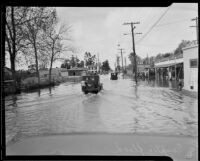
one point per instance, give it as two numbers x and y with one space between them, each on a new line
91 83
113 76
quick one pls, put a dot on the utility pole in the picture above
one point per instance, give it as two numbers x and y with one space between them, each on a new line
117 60
122 58
197 27
175 67
134 53
98 68
121 51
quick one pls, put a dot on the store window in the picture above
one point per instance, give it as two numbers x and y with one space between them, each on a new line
193 63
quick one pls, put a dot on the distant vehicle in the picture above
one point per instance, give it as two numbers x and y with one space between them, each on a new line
114 76
91 83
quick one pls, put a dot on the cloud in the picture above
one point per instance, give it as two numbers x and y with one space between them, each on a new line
99 30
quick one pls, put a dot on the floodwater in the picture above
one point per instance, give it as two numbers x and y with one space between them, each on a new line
151 107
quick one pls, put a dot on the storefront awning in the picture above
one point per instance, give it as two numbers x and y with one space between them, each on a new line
167 65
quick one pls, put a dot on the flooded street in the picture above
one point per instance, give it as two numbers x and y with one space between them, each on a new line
121 107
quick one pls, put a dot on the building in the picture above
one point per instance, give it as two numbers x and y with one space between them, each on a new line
55 72
190 58
170 67
92 68
142 68
64 72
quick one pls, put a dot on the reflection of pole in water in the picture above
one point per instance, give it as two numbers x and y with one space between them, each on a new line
49 90
14 99
135 124
14 103
39 92
136 91
170 84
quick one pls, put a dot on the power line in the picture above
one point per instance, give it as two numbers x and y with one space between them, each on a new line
173 22
156 45
132 31
153 25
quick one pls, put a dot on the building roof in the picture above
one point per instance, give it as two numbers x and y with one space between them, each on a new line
77 69
63 69
143 65
191 45
92 66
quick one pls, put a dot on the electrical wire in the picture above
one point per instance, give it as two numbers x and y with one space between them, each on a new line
159 45
173 22
154 25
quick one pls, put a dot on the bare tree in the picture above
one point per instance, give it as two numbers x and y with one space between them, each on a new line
53 44
43 60
15 16
34 31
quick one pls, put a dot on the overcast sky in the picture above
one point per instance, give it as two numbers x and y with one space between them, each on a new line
100 29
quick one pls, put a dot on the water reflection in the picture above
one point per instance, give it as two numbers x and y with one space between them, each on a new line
135 125
50 91
11 116
123 106
14 100
136 91
39 92
91 114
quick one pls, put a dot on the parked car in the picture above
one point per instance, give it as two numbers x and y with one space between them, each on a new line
91 83
114 76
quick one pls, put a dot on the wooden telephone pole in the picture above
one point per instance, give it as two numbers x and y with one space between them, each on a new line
197 27
121 56
134 53
121 51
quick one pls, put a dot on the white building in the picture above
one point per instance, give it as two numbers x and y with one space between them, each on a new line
64 72
92 68
190 59
55 72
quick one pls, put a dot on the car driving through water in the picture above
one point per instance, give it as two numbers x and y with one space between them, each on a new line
91 83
